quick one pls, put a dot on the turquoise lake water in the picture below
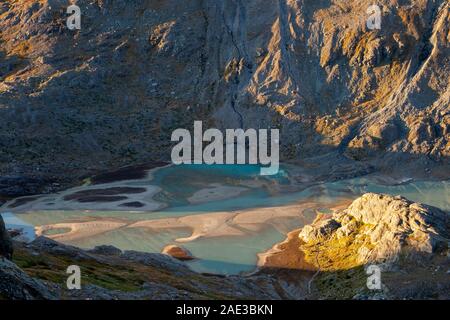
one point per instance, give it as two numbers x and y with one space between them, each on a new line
230 254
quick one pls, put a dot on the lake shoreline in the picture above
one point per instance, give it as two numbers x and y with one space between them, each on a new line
301 207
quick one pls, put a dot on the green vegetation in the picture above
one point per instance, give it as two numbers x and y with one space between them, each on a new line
114 275
343 284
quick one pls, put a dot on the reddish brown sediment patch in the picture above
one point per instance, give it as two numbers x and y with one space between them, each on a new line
127 173
286 255
134 204
104 192
178 252
101 199
21 201
287 262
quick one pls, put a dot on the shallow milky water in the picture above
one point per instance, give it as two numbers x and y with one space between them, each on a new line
198 190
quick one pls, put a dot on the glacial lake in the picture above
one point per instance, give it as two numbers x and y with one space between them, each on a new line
224 215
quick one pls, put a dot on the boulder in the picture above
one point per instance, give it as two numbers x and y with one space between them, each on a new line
6 247
178 252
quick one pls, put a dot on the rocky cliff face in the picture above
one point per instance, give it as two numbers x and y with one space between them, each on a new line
111 93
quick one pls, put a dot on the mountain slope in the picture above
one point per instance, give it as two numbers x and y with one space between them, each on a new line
73 102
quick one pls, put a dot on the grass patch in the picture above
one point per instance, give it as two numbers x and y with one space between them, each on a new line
341 284
118 274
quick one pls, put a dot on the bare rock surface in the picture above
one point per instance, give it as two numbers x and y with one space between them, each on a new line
6 247
17 285
74 102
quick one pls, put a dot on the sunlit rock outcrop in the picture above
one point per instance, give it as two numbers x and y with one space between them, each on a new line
376 228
